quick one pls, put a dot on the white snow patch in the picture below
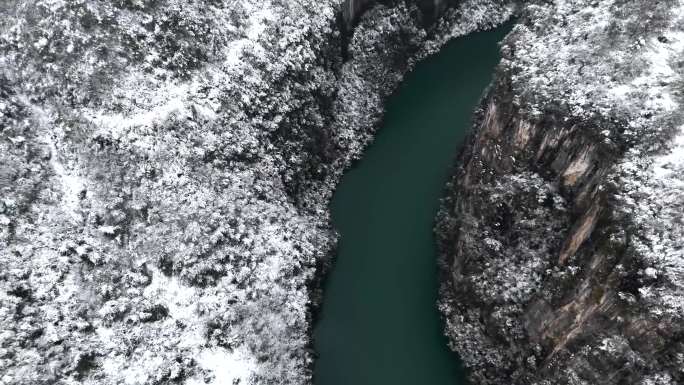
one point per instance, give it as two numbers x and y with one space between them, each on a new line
227 367
109 230
654 193
257 22
651 272
139 374
179 299
72 183
658 76
106 336
664 166
169 100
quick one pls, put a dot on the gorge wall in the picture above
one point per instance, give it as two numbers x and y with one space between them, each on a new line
560 233
165 169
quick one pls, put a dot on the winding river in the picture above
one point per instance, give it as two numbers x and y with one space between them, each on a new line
379 324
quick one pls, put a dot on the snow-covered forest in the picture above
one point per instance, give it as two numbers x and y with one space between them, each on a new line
165 170
164 174
562 231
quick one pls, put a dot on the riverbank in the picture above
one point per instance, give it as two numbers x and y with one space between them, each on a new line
166 169
379 323
559 231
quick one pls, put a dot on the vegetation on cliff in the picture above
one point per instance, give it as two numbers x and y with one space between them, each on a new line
164 174
560 229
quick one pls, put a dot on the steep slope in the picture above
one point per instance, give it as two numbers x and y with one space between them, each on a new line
561 231
165 169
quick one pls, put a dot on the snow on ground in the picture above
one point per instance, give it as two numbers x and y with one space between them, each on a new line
654 180
654 195
72 184
660 55
590 73
600 83
618 62
226 367
667 167
185 260
179 299
170 211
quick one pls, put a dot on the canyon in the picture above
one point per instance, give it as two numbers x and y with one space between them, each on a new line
166 170
378 321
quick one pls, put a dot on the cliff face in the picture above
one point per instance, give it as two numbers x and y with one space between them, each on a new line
561 229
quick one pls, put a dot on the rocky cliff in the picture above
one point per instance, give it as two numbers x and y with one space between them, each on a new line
561 231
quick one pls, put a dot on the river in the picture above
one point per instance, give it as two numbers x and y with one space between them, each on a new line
379 323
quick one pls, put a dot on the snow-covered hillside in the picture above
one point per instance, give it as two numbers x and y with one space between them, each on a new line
164 174
562 231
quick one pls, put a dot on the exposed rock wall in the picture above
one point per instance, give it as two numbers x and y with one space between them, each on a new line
561 263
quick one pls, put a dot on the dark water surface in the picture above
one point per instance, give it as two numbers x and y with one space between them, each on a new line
379 324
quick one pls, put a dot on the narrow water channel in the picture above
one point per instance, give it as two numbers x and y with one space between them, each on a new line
379 324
